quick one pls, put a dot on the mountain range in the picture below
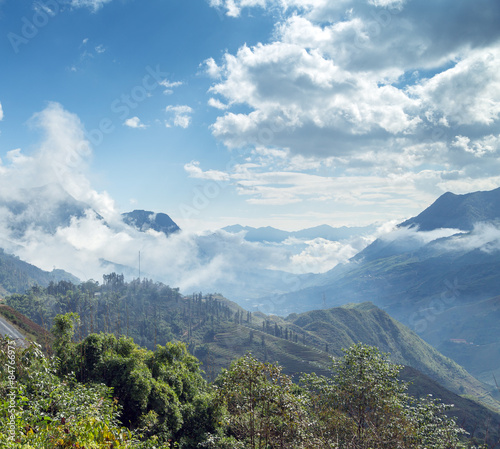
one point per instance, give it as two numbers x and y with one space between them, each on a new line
438 273
272 235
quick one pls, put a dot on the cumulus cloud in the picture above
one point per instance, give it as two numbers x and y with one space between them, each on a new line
211 68
134 122
215 103
180 116
467 94
380 89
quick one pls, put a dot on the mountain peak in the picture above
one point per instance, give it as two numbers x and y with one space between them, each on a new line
458 211
144 220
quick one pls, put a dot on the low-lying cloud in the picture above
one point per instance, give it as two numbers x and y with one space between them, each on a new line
53 218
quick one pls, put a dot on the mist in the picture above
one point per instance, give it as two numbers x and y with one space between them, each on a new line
52 217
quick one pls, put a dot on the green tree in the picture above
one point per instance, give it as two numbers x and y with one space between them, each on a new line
162 393
63 331
51 411
263 407
365 406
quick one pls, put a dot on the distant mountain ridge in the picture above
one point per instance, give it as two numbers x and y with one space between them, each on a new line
48 207
440 284
16 276
273 235
459 211
144 220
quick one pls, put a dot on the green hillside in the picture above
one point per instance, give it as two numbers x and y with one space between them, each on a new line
218 331
343 326
16 276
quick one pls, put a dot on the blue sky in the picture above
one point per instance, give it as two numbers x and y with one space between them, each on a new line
260 112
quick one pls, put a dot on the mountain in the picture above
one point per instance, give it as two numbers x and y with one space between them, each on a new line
341 327
47 207
218 331
459 211
16 276
439 282
273 235
469 335
145 220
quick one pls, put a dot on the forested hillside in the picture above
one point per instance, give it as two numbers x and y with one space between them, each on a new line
16 276
218 331
104 392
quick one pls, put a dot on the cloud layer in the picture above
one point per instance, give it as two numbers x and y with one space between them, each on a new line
51 216
403 90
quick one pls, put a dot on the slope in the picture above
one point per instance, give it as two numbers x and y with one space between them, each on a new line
459 211
218 331
16 276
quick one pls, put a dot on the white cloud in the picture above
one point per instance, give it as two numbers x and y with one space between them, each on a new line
181 116
233 7
194 171
467 94
1 112
94 5
298 95
215 103
322 255
268 178
211 68
62 157
367 89
134 122
169 85
100 49
484 236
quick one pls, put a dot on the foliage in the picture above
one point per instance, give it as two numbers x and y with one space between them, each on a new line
162 394
48 411
263 409
165 402
364 405
161 389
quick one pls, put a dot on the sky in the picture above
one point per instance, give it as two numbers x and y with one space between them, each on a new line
288 113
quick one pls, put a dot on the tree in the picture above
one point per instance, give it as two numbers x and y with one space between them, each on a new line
364 405
63 331
263 407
